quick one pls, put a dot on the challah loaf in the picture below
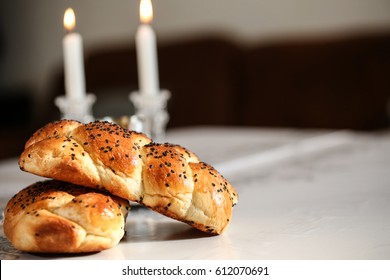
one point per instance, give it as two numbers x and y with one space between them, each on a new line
57 217
164 177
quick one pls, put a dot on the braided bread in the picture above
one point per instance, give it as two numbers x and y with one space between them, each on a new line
58 217
164 177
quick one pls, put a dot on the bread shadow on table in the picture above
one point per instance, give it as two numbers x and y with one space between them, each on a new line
145 225
53 256
160 230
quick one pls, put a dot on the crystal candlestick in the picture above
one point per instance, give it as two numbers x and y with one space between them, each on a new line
76 109
151 116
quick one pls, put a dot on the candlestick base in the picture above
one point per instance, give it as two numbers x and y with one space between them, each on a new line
75 109
151 116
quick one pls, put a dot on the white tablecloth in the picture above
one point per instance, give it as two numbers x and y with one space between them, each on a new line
303 194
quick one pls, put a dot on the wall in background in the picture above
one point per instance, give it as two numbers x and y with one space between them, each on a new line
31 31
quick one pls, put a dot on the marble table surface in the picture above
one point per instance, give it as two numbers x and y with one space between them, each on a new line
303 194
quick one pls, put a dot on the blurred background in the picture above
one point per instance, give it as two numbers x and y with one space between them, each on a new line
269 63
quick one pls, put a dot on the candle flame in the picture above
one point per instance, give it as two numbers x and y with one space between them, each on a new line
146 11
69 20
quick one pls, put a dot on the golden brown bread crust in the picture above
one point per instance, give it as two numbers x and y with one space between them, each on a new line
177 185
99 155
58 217
164 177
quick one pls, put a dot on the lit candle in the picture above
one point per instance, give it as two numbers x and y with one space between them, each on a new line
73 59
147 51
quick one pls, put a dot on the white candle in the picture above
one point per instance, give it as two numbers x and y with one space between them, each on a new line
147 51
73 59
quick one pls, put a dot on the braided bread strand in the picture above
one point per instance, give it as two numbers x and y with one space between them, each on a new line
58 217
